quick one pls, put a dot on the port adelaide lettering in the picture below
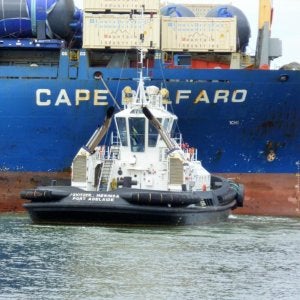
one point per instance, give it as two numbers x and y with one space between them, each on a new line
94 197
46 97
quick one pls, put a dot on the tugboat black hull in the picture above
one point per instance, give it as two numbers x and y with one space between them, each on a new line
69 205
131 216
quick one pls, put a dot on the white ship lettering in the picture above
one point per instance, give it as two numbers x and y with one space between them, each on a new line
45 97
94 197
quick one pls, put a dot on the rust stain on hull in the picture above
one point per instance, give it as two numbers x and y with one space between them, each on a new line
11 184
269 194
265 194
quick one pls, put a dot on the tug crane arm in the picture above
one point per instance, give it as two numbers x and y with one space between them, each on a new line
100 132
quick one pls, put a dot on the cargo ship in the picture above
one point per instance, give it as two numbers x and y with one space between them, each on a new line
56 74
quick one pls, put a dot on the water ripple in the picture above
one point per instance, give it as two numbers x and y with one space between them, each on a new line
244 258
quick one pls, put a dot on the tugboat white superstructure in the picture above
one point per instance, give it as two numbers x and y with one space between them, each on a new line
145 175
142 154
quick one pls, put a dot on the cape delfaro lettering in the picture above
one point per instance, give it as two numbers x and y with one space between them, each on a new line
46 97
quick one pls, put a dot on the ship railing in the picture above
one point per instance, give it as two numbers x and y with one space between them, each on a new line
114 139
111 151
108 152
190 153
114 148
101 152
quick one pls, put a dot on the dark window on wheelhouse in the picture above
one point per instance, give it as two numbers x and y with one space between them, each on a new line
152 135
173 129
137 134
121 124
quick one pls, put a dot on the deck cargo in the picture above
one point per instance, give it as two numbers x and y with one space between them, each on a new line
120 6
199 34
36 18
120 31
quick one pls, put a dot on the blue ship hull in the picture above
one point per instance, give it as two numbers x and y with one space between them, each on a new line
234 117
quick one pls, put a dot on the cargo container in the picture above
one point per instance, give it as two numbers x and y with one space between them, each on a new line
199 34
121 6
120 31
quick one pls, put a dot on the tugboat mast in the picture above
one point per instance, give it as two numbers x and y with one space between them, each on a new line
140 93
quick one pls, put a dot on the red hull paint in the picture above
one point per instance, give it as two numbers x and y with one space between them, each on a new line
265 194
270 194
11 184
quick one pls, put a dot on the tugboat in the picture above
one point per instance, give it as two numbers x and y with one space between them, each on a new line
145 175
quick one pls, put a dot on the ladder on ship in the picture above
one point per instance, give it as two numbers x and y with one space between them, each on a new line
105 174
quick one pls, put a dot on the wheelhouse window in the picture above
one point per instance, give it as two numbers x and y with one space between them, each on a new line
166 123
137 134
174 128
121 124
152 135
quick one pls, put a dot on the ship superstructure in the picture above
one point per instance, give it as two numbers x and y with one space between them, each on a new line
143 152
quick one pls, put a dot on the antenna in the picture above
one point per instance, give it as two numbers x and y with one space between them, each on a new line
140 93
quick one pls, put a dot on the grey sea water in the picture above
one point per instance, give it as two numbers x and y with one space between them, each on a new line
244 258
